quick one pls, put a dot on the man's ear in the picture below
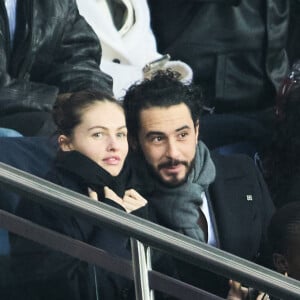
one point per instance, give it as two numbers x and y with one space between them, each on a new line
65 143
280 263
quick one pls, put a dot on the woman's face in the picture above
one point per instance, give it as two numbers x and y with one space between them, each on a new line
101 136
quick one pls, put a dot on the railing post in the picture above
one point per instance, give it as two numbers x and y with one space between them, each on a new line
141 264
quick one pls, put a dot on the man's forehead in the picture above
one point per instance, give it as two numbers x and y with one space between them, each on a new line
165 119
164 114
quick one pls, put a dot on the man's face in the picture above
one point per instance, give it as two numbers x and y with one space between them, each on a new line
168 139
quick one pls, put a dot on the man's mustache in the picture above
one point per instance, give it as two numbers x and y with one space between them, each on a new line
172 163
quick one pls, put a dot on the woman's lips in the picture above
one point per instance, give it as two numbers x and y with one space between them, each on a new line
112 160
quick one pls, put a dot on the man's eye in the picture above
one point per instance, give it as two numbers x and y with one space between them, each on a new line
157 139
182 135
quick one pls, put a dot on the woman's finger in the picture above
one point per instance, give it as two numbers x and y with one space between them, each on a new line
135 196
110 194
92 194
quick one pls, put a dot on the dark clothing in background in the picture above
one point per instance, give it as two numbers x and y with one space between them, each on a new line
237 50
54 51
294 32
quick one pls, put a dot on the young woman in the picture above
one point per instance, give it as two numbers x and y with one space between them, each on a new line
91 160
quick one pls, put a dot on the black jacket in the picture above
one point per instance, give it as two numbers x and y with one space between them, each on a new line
54 51
237 52
41 273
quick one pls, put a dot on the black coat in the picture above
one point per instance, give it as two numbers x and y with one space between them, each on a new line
54 51
41 273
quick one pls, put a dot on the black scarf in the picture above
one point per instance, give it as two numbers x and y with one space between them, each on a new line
90 174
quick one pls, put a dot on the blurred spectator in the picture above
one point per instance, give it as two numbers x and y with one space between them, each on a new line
284 237
237 52
281 160
46 48
128 44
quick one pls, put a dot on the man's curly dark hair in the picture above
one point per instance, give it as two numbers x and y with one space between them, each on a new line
164 89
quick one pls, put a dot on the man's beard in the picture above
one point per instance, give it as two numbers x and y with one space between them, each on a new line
174 182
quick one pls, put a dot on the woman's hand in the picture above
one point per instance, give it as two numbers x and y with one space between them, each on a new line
93 195
131 201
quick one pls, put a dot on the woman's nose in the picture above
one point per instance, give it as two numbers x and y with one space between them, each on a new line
112 143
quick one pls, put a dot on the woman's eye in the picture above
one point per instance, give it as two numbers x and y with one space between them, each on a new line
121 135
98 134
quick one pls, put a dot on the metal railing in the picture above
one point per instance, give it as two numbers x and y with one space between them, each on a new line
149 235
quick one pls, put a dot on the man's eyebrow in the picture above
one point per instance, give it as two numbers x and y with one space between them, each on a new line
150 133
182 128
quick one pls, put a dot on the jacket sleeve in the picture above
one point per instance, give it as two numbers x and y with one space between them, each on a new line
77 57
22 96
73 67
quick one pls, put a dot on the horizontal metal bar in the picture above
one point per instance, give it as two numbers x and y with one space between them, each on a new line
175 244
93 255
176 288
65 244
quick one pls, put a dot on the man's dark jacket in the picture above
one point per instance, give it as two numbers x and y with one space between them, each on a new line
235 48
54 51
242 208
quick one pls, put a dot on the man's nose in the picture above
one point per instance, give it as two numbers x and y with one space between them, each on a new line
172 150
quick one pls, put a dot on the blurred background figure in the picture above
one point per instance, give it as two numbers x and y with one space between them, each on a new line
46 49
281 160
284 242
284 237
237 50
128 43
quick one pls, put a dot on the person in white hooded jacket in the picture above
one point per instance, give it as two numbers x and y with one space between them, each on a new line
128 44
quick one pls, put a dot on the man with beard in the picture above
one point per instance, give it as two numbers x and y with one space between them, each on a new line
186 184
